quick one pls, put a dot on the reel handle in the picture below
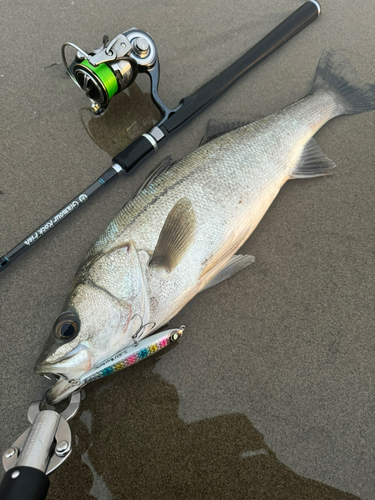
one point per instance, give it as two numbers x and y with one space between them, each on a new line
174 119
190 106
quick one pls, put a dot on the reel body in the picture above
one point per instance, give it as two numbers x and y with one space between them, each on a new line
111 68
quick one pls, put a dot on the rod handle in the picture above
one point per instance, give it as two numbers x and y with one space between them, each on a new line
134 153
199 100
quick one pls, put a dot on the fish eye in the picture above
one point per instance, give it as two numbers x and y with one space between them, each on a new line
66 326
67 330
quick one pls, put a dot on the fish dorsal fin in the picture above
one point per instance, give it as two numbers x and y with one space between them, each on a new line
176 236
160 168
216 129
313 162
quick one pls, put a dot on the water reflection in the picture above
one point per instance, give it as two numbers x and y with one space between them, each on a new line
129 115
139 448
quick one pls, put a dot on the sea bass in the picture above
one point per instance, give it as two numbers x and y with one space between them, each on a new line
180 232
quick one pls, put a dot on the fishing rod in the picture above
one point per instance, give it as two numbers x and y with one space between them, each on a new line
111 68
47 443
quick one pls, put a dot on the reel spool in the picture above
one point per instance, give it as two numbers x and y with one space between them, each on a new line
111 68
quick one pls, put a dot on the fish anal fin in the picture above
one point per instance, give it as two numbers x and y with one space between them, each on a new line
176 236
236 263
313 162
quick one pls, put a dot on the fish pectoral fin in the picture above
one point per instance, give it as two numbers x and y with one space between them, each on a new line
215 129
313 162
176 236
236 263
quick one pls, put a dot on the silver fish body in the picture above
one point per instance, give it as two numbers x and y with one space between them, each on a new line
231 182
182 229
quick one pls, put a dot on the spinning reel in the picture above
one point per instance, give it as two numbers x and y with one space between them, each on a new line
111 68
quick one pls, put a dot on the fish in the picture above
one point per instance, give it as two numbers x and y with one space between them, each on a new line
180 233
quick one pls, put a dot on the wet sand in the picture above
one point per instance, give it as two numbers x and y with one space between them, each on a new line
270 392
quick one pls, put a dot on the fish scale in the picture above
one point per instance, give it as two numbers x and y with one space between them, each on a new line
179 234
247 166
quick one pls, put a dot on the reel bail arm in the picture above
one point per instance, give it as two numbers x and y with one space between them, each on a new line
106 79
111 68
191 106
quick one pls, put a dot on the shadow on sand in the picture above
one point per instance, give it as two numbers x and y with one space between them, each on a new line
129 115
129 432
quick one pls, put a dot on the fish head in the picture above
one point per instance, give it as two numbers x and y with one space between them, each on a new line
106 309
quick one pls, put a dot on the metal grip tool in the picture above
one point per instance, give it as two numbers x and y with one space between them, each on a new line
114 66
38 451
48 442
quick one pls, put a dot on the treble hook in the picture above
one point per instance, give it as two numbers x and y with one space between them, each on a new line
140 330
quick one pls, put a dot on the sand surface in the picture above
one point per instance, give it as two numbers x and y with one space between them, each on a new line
270 392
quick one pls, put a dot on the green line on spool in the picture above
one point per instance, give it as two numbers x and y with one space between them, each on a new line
105 75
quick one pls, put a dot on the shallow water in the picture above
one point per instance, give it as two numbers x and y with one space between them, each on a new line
270 392
129 115
132 443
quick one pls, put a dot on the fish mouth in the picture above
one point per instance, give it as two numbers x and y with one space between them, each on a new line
70 366
69 369
62 389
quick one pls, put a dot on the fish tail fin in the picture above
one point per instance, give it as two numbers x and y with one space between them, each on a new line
336 75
